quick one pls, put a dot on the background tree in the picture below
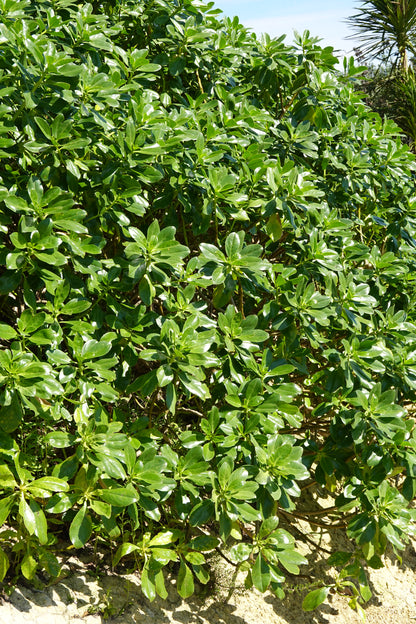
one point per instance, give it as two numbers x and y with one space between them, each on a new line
386 31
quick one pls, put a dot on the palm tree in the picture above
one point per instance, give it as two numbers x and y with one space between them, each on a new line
387 31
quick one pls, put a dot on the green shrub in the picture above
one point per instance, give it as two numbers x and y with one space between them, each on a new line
207 252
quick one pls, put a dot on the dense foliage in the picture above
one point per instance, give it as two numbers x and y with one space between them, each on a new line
207 252
393 95
386 30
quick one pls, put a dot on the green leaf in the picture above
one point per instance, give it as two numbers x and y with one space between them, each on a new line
163 555
210 253
41 527
164 375
194 386
268 526
148 585
160 585
147 291
93 349
16 204
67 469
28 566
195 558
44 126
274 228
185 581
291 560
7 479
204 543
111 466
260 574
314 598
28 515
171 397
145 384
226 526
61 502
120 497
234 244
365 592
162 539
50 563
75 306
124 550
247 512
11 415
101 508
376 562
201 513
81 528
7 332
224 472
60 439
51 484
362 528
6 505
4 564
240 552
201 573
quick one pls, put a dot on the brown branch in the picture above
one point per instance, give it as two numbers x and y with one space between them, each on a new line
323 525
226 558
199 81
289 104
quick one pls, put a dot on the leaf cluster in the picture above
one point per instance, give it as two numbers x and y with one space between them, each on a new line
207 295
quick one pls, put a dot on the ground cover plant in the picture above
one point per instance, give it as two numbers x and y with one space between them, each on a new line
207 252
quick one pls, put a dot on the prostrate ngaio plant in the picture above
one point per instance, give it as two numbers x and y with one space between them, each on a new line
207 250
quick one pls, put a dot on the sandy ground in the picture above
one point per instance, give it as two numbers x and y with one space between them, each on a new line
89 595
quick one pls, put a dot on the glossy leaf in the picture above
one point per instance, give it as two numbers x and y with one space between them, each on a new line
314 598
80 528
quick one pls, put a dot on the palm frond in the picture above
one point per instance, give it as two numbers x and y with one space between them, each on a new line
386 30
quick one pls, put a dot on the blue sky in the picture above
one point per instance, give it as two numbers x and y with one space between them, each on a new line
323 18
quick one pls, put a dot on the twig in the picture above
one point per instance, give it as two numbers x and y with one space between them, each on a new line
225 557
323 525
188 410
241 298
199 81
